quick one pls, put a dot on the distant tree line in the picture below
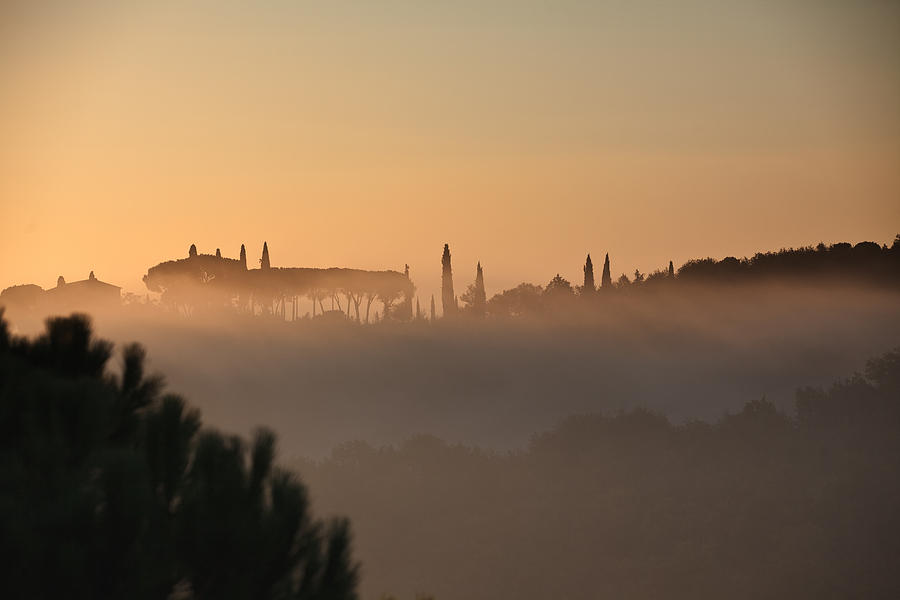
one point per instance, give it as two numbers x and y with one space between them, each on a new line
209 282
109 488
865 264
761 504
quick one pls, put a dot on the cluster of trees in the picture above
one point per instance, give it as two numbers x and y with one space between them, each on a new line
866 263
524 300
109 488
761 504
212 282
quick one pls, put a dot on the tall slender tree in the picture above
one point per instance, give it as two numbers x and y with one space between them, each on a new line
479 304
192 251
418 310
218 253
671 270
243 257
433 316
606 278
588 287
448 298
264 261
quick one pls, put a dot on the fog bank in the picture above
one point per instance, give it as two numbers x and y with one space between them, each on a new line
492 383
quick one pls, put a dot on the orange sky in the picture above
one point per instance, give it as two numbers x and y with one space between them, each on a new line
523 133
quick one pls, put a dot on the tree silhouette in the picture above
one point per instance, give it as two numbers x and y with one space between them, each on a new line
523 300
110 489
474 297
433 316
264 260
480 295
588 287
192 251
448 298
558 289
605 278
671 272
243 258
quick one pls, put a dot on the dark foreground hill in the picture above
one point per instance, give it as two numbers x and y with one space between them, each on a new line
628 505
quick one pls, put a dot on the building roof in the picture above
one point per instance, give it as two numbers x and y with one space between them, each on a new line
88 285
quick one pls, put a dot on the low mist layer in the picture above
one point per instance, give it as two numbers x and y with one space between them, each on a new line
493 383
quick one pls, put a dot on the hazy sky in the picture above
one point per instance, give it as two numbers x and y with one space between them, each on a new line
367 134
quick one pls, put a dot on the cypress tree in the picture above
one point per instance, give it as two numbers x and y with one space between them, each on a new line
243 257
448 298
671 270
432 308
606 279
192 251
480 300
418 310
264 261
588 287
218 253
